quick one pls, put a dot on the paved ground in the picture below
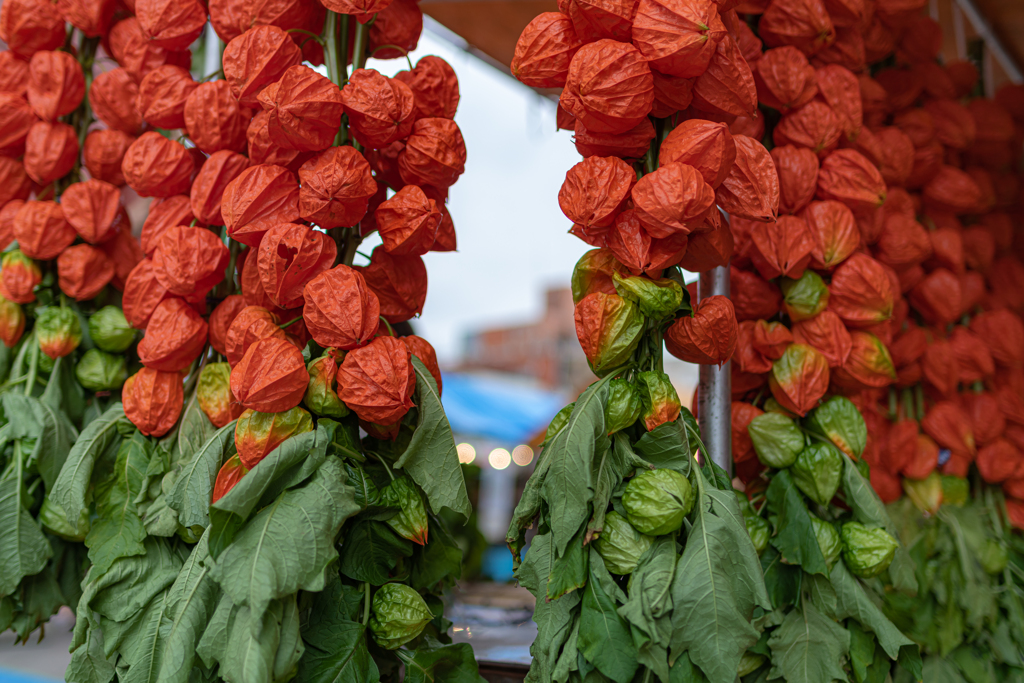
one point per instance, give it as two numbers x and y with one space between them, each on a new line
38 662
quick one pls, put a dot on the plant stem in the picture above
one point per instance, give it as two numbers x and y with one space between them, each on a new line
366 603
33 368
359 47
331 46
290 322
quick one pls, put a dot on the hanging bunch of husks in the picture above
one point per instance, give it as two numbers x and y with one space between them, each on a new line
215 447
879 321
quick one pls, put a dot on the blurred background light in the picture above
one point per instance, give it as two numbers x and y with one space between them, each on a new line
499 458
467 453
522 455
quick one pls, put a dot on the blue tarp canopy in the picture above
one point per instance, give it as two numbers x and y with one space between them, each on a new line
504 410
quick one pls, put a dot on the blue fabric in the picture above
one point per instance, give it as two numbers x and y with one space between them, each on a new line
11 676
501 410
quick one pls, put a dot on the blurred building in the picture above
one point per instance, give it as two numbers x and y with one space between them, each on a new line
546 350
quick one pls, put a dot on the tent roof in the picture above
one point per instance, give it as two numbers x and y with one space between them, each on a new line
498 407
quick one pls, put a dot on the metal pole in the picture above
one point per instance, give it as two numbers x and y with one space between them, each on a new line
211 52
714 393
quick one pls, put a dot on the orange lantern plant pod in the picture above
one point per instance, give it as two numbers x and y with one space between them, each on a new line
1002 331
271 377
751 189
972 356
396 30
746 357
784 79
782 247
608 328
336 187
708 337
434 154
834 231
258 433
91 208
813 126
939 367
305 110
230 473
677 38
727 86
260 197
82 271
290 256
705 145
805 24
50 151
257 58
16 183
544 51
377 381
399 282
999 461
937 297
113 97
742 415
175 336
154 166
847 176
19 276
952 190
28 26
213 118
340 310
166 213
827 334
753 297
142 294
162 96
673 199
221 319
595 191
632 144
609 87
12 322
704 250
381 110
771 339
797 170
55 85
189 261
171 24
868 365
861 292
987 420
153 400
7 214
594 20
42 230
16 118
422 349
949 426
799 379
103 153
435 86
408 223
207 191
903 242
249 325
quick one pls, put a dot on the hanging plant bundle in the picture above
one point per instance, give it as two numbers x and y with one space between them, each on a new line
216 448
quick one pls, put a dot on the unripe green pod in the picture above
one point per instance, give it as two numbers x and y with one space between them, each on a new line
110 331
817 472
867 552
657 501
620 545
776 438
623 407
101 371
829 541
399 615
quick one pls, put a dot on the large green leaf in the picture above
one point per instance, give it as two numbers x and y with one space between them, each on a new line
554 618
89 663
42 420
168 648
335 644
118 530
193 488
251 648
869 510
194 430
437 560
650 599
431 458
809 647
433 662
853 602
568 572
719 578
229 513
289 543
604 636
609 466
795 538
73 481
570 459
783 581
667 446
370 550
23 548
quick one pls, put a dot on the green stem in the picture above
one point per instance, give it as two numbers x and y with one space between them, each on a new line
290 322
343 57
391 331
366 603
331 46
33 368
393 47
359 47
348 254
386 467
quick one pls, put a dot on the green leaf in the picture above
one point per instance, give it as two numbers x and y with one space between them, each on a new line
229 513
604 636
194 430
439 559
853 602
193 488
862 651
56 436
23 547
782 580
73 481
650 595
795 538
569 571
247 646
667 446
167 651
437 663
570 457
938 670
118 530
683 671
288 544
554 618
431 458
370 550
335 644
869 510
718 577
610 465
808 647
89 663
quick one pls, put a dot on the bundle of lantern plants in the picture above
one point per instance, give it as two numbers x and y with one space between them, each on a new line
216 446
887 290
645 559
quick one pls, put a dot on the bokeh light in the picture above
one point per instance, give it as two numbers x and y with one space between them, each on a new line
467 453
499 458
522 455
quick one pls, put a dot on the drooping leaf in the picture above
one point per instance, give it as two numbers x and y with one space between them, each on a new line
782 580
438 559
288 544
718 577
431 458
610 465
554 618
604 636
437 663
650 600
569 572
193 488
89 663
808 647
795 538
24 549
194 430
246 645
370 550
70 487
667 446
335 644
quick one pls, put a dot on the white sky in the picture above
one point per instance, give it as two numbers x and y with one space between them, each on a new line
513 239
